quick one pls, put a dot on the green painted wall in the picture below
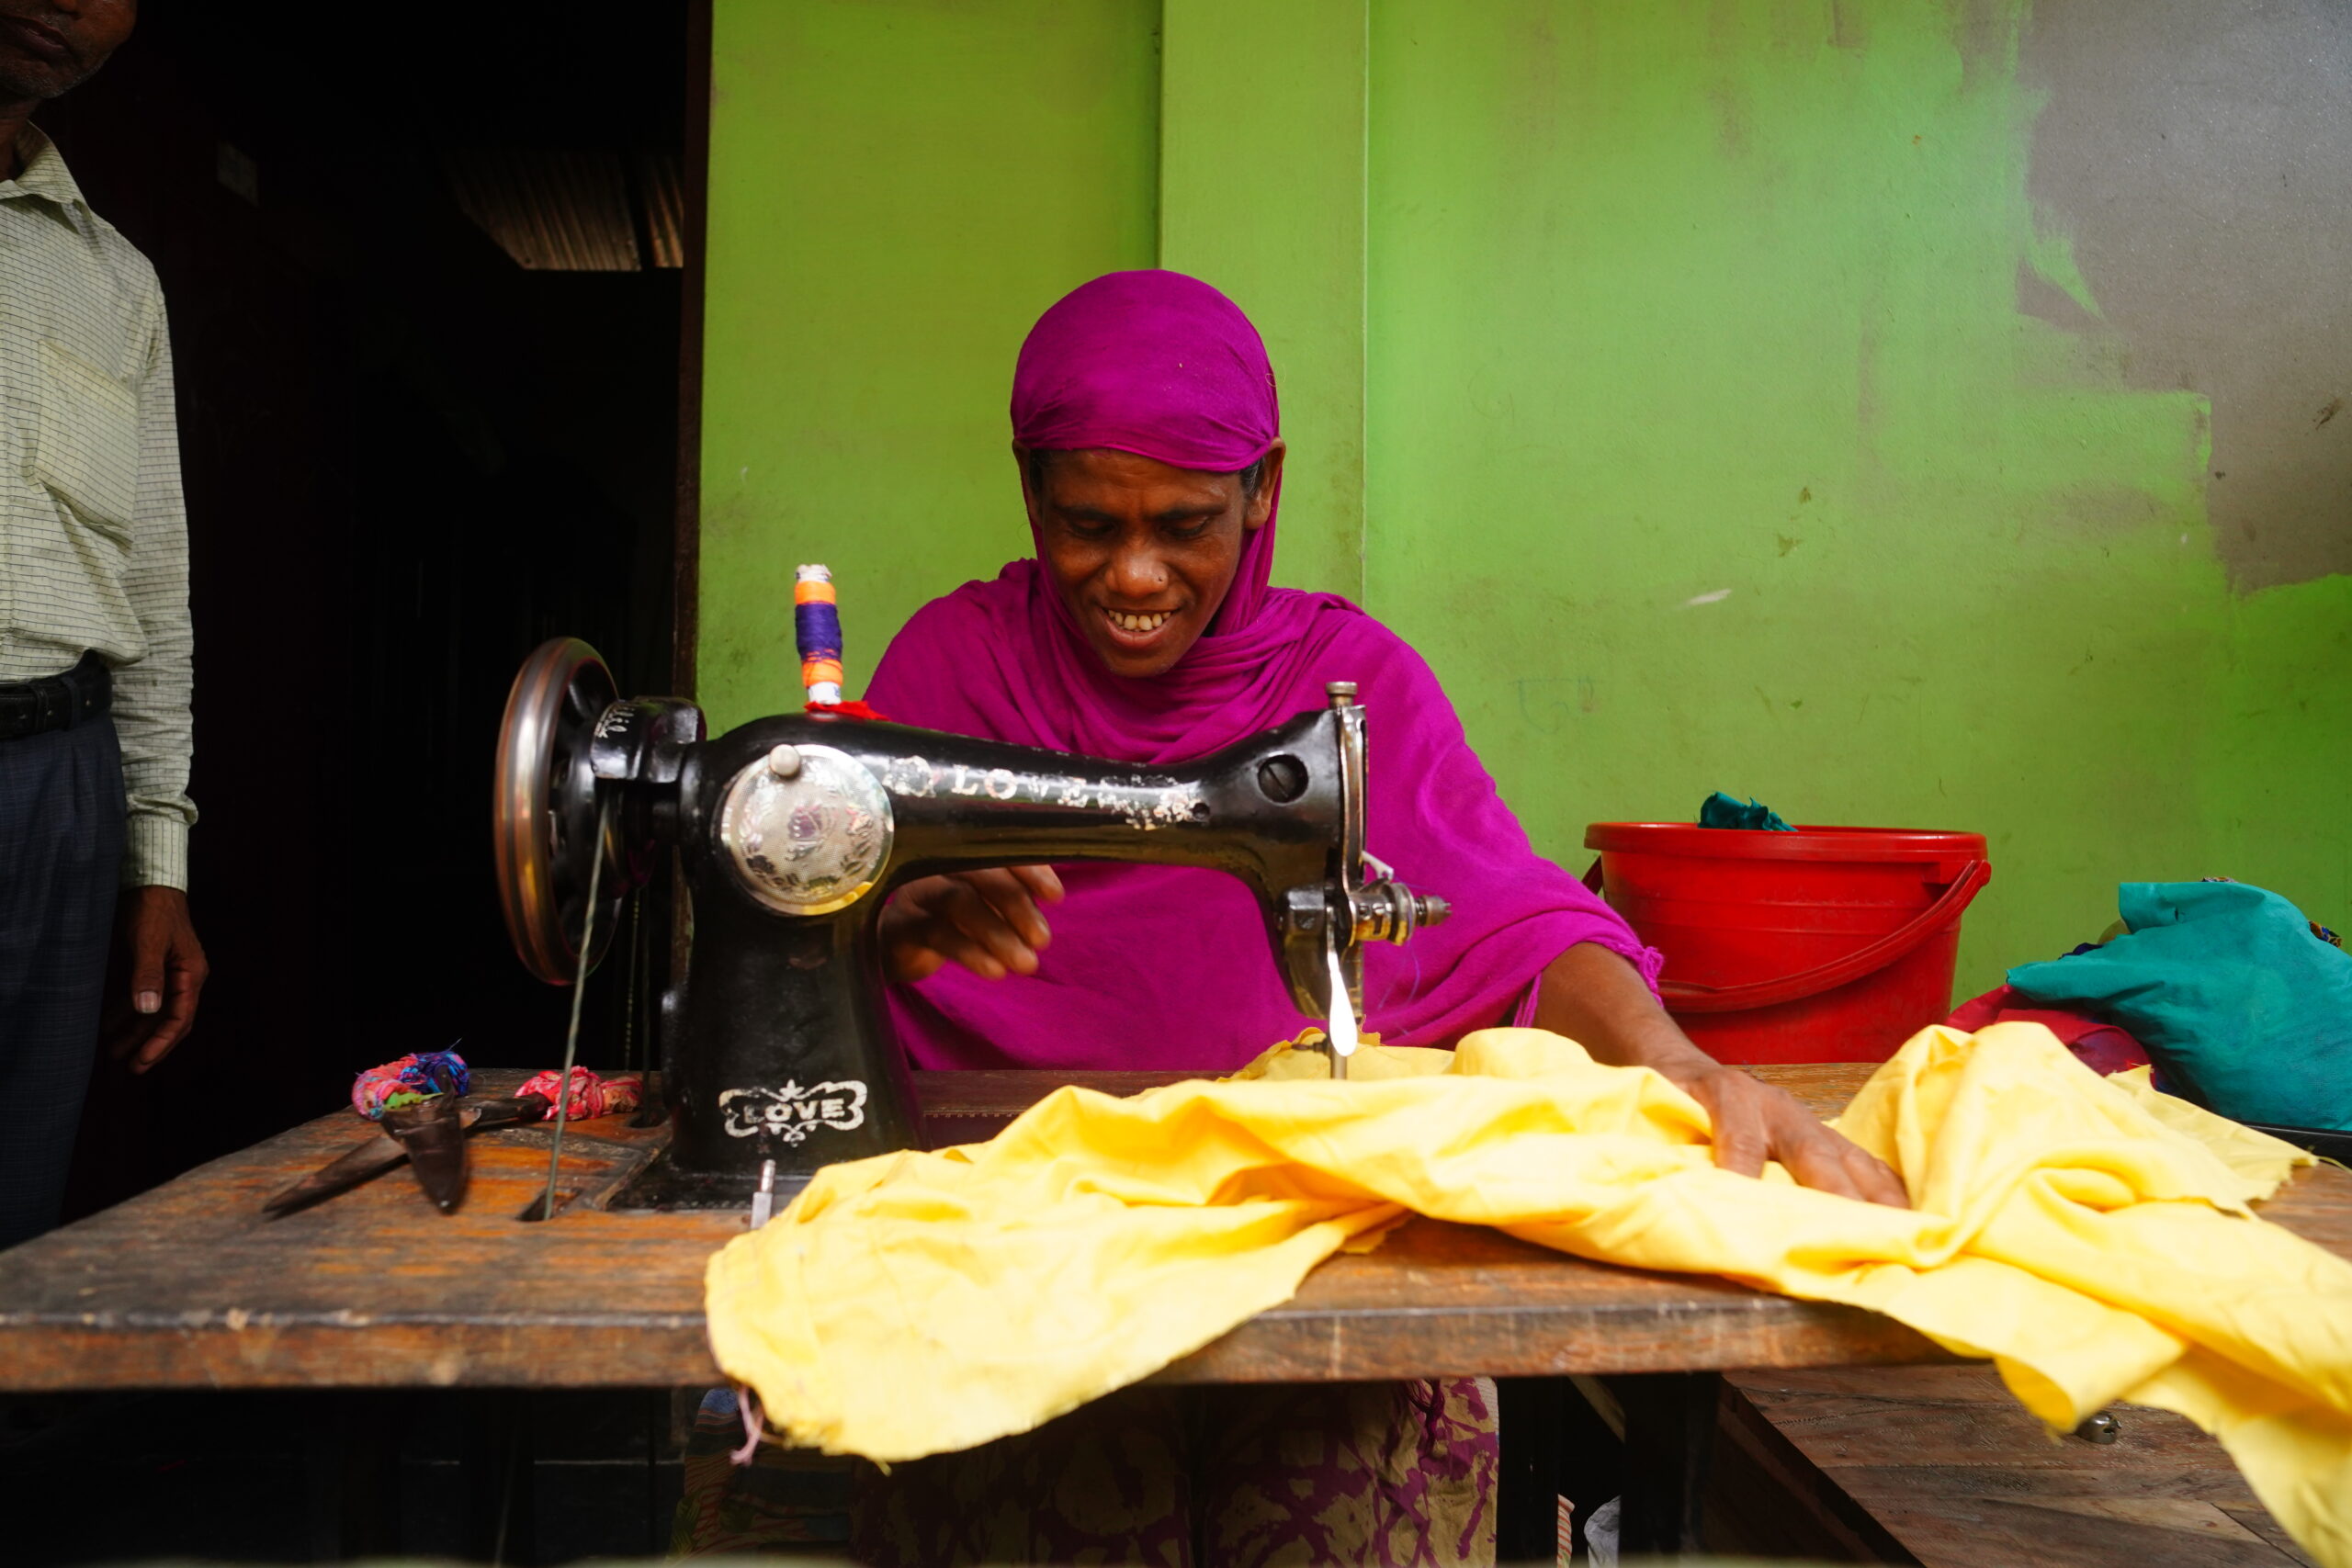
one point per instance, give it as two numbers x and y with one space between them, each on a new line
1710 448
1660 371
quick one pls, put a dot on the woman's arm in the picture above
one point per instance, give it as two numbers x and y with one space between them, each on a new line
1597 999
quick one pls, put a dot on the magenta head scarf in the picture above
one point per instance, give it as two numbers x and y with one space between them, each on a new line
1159 966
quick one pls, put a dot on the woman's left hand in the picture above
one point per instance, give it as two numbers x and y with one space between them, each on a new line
1756 1122
1594 996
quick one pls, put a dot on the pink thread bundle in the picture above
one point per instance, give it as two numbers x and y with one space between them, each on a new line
590 1093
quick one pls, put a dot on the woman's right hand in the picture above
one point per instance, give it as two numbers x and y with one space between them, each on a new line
986 920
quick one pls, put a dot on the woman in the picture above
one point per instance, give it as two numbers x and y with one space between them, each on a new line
1146 434
1147 437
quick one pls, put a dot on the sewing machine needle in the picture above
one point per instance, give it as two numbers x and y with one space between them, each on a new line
1343 1017
764 1201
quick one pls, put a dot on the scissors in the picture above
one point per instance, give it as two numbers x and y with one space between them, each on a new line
429 1134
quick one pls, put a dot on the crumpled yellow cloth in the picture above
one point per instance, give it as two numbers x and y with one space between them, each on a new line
2089 1235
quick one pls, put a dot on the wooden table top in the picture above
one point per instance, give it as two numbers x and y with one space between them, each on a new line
188 1286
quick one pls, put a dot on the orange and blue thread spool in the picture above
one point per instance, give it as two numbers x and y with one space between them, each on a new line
817 628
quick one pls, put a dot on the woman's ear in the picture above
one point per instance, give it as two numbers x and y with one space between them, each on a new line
1270 484
1028 492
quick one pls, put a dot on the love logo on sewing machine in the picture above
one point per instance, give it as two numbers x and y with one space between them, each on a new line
1145 800
792 1113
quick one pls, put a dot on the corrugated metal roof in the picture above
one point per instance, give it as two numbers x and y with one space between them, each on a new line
551 210
662 195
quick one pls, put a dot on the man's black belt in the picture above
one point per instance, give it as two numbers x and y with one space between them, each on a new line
61 701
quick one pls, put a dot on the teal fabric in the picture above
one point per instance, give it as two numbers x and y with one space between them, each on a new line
2244 1009
1723 811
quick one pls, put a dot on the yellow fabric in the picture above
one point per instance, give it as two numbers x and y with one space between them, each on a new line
2093 1238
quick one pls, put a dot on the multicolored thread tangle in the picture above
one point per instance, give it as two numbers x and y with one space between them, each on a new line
817 628
420 1076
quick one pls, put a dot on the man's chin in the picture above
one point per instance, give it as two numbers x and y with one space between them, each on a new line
25 81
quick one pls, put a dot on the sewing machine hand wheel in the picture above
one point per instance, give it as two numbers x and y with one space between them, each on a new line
544 816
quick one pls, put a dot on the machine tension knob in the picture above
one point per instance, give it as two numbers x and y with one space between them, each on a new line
1390 911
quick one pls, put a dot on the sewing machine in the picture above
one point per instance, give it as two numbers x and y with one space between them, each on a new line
791 832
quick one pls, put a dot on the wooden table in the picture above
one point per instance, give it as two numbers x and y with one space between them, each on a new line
188 1286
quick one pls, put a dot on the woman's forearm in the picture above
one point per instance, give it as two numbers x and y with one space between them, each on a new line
1599 1000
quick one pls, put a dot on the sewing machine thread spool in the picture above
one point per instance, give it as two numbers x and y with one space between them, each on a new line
816 628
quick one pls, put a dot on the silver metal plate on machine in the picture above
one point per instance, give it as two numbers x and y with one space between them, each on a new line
806 829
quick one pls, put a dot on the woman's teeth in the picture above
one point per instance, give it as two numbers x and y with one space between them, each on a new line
1150 622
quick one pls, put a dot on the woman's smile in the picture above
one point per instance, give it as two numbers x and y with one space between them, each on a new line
1138 629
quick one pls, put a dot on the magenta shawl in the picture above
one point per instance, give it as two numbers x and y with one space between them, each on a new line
1158 966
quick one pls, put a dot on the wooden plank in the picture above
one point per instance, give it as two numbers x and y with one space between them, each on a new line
1915 1421
188 1286
1949 1465
1765 1499
1999 1532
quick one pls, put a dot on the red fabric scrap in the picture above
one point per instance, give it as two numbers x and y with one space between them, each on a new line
2098 1045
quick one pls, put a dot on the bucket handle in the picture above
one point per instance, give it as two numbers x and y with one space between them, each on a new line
1680 997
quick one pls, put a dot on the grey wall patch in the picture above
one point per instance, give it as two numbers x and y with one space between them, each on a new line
2198 152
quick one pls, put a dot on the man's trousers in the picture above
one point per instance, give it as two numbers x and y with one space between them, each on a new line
61 836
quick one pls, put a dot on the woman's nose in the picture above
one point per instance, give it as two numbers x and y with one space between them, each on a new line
1136 572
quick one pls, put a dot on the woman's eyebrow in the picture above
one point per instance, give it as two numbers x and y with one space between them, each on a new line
1172 514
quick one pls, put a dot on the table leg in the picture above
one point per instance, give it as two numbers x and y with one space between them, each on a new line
352 1442
501 1529
1670 1440
1530 1422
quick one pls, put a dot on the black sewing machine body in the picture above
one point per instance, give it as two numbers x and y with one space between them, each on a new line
792 831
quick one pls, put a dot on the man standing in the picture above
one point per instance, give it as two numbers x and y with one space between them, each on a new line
94 628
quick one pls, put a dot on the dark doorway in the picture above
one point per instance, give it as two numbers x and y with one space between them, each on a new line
425 293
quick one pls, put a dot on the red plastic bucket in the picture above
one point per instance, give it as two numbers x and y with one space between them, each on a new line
1828 944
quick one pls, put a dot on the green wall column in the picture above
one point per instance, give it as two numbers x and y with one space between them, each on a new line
1261 192
897 189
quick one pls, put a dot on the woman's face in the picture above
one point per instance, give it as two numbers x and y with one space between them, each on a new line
1141 553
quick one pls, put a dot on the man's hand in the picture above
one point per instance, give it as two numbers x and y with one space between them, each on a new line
156 946
1756 1122
986 920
